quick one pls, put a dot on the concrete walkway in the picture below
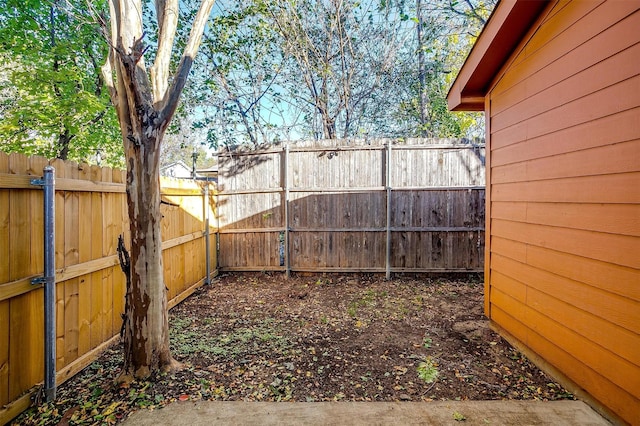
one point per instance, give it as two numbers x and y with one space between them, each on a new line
370 413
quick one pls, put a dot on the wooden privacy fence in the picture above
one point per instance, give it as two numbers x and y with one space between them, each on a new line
381 206
90 213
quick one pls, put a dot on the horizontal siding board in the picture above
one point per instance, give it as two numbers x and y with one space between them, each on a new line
561 18
598 386
515 310
505 320
618 341
619 67
617 249
620 188
611 100
611 307
509 286
619 371
623 219
608 159
512 249
565 197
606 58
615 279
510 210
515 317
588 26
621 127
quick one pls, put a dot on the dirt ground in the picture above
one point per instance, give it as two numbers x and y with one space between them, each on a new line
259 337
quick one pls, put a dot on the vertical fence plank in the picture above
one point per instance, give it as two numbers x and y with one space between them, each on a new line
24 310
4 352
60 168
36 216
180 252
71 257
85 214
26 342
95 281
120 219
109 237
20 229
4 277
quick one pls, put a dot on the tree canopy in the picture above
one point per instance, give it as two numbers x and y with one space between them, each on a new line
270 70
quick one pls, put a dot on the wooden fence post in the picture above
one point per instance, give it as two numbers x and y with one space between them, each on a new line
387 182
285 185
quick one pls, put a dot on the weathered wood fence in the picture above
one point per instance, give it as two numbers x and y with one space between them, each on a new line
90 213
372 207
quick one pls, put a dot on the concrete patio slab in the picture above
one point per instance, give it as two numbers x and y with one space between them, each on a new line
370 413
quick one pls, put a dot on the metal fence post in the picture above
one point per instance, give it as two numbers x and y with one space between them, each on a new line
49 280
50 283
205 205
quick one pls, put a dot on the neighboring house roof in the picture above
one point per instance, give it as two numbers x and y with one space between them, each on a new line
176 169
509 22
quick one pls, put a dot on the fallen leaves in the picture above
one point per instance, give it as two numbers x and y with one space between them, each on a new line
360 339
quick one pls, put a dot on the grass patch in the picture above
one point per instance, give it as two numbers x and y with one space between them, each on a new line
189 338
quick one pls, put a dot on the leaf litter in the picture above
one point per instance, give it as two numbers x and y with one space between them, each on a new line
261 337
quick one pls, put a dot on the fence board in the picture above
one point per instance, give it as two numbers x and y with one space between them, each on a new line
36 217
4 277
337 207
71 327
19 226
25 346
4 352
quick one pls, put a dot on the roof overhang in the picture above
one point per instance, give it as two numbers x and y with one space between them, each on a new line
509 22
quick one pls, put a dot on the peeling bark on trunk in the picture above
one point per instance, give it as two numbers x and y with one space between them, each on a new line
147 323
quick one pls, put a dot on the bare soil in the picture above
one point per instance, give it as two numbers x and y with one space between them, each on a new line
260 337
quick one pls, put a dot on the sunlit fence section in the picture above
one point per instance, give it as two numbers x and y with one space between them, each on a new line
90 214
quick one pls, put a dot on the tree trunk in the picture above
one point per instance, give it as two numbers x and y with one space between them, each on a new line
64 138
423 95
146 327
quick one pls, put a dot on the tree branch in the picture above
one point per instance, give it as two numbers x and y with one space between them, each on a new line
167 11
170 102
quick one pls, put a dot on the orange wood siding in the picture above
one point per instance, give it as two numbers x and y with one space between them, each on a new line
564 200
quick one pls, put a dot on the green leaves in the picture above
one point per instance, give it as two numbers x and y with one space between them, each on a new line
428 370
52 97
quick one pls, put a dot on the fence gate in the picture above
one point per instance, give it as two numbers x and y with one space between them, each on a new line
330 206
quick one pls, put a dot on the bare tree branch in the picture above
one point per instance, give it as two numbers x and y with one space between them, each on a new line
173 95
167 11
